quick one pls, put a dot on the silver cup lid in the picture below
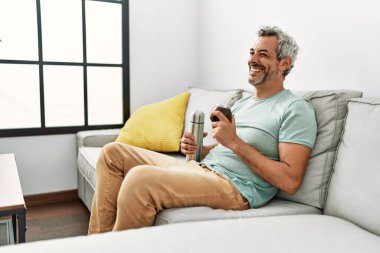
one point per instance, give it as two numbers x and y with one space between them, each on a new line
197 116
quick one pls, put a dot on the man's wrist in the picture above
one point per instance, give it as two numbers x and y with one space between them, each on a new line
235 144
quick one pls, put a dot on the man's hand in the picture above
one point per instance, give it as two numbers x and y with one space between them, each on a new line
189 146
224 131
207 149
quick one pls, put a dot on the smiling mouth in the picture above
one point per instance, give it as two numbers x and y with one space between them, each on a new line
255 69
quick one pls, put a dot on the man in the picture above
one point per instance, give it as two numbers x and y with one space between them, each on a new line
266 147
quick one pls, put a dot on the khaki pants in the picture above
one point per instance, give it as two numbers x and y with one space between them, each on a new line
134 184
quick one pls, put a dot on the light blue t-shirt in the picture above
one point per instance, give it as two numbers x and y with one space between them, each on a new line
263 123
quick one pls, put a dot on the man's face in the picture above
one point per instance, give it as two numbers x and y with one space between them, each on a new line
263 63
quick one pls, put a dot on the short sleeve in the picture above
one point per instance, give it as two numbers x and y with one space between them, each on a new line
298 124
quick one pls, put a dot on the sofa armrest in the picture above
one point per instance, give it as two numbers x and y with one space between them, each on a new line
96 138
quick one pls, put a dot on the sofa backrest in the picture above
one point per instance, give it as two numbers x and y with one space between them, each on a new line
331 108
354 189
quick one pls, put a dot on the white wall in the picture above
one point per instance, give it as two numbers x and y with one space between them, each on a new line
44 163
163 42
339 42
163 58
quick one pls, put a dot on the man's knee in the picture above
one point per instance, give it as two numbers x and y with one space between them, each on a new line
141 175
110 148
115 151
139 180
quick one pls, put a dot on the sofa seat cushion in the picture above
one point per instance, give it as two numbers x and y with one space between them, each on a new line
87 159
293 234
274 207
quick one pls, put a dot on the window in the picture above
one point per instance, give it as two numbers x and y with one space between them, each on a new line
64 66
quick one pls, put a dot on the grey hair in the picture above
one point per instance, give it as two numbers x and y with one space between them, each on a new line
286 45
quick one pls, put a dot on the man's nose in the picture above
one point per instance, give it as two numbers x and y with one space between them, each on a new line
251 59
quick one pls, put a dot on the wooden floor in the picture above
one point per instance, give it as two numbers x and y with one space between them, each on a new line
58 220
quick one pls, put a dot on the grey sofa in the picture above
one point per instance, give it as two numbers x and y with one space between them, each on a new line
330 109
348 221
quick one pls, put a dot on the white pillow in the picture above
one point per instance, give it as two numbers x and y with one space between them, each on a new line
204 99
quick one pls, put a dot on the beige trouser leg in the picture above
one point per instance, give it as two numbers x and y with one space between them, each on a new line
126 198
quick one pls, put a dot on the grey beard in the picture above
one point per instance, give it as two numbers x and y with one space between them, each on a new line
261 82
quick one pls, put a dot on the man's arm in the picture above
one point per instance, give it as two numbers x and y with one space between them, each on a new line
285 174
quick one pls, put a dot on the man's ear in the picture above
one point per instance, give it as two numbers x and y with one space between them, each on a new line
285 63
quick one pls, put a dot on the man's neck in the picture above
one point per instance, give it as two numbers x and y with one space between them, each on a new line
268 90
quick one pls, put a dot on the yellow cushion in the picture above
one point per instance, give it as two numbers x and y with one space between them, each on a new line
157 126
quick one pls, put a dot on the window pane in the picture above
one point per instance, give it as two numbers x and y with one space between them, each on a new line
64 105
62 30
19 96
103 30
105 96
18 30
